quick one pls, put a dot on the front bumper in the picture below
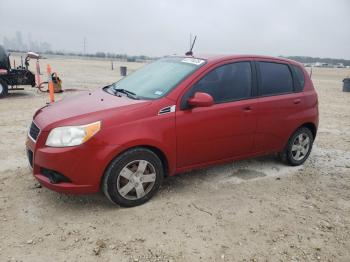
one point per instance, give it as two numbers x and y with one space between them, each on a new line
64 187
83 165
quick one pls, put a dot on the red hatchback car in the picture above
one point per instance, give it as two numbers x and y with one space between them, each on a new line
173 115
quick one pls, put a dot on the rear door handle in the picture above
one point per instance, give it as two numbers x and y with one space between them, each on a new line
297 101
247 108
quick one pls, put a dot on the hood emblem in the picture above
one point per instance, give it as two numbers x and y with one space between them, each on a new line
167 109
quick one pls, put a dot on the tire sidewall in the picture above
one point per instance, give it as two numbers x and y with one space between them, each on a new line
113 172
289 155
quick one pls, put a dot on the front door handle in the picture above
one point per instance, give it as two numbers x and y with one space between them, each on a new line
247 108
297 101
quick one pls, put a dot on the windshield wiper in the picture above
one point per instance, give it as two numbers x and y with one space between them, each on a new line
126 92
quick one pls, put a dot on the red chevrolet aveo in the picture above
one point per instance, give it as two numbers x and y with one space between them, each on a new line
173 115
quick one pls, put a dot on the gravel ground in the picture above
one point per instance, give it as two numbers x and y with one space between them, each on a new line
252 210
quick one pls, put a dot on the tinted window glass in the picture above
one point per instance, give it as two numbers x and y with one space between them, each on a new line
300 78
275 78
226 83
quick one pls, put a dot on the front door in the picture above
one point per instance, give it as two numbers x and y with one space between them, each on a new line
225 129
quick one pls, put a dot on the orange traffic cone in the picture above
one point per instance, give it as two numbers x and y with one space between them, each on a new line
50 83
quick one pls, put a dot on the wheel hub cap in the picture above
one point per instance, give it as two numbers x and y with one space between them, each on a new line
136 179
300 147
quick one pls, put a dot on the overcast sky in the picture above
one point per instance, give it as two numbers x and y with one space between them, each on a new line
159 27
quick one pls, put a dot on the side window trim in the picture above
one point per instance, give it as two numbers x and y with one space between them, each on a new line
295 79
259 80
254 84
255 81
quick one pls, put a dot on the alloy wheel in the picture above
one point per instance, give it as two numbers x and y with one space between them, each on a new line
136 179
300 147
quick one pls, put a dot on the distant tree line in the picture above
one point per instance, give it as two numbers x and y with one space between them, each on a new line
17 44
119 56
308 60
111 56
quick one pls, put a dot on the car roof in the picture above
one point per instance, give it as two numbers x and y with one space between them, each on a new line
212 58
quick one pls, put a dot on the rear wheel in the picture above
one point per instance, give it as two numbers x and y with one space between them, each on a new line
299 147
133 177
3 88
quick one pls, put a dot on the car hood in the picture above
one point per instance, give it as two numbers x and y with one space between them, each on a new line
84 108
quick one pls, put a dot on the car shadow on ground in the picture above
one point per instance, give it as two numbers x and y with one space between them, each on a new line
243 171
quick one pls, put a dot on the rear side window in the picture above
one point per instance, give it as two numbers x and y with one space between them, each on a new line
275 79
300 82
226 83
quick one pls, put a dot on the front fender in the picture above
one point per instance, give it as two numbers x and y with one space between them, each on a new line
157 132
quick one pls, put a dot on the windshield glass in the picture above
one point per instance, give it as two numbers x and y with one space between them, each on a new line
157 78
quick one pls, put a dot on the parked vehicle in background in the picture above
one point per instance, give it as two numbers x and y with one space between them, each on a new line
171 116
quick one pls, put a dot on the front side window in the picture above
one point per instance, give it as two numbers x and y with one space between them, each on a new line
275 79
158 78
226 83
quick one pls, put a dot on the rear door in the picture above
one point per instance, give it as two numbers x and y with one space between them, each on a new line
279 105
225 129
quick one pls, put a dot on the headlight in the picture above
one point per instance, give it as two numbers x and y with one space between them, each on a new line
72 135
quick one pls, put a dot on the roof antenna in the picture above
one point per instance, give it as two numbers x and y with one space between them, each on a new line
190 53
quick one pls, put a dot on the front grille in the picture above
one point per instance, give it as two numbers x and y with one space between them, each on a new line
34 131
30 157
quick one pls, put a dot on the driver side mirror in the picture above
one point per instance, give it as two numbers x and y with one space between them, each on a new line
200 100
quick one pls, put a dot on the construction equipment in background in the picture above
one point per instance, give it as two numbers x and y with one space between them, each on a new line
11 78
56 82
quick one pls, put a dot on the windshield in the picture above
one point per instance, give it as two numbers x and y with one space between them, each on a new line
156 79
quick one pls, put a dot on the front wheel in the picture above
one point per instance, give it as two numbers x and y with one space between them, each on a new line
299 147
133 177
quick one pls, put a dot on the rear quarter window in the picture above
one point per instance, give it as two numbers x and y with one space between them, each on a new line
275 79
300 78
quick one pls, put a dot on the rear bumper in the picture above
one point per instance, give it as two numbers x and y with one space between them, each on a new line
83 165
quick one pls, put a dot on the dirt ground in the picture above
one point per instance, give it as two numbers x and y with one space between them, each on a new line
253 210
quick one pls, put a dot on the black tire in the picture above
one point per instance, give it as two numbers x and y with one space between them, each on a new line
288 156
3 88
111 182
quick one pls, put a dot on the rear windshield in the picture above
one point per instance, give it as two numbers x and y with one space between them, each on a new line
158 78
